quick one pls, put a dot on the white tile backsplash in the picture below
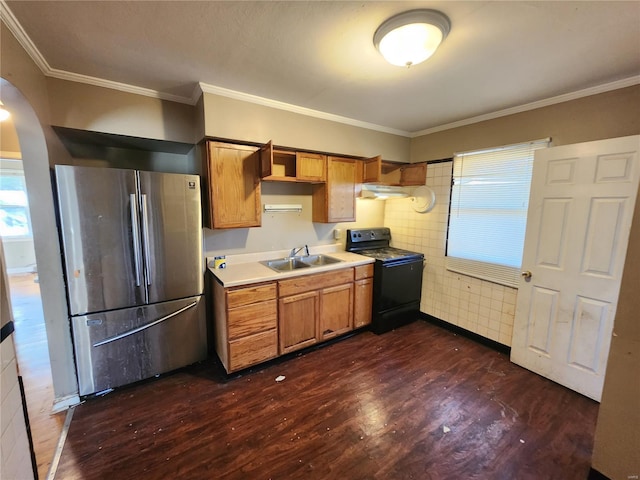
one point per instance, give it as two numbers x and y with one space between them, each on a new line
476 305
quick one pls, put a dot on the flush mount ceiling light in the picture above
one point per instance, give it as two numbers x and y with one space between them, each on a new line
411 37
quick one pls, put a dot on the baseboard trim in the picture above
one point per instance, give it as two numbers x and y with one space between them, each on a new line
61 404
21 270
6 330
596 475
34 463
466 333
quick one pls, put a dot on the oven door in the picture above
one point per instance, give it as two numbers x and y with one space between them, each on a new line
397 283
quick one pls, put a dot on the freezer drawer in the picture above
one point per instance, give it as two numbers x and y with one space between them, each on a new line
123 346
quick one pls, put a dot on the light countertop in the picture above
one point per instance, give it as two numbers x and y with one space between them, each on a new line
245 269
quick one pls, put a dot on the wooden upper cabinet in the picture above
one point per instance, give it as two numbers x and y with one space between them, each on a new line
311 167
372 170
376 170
335 200
266 160
291 166
413 174
232 185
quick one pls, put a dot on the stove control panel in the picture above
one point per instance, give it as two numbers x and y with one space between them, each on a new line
368 235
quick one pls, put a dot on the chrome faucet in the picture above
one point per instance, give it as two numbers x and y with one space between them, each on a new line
295 251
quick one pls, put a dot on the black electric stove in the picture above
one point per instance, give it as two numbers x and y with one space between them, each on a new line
397 278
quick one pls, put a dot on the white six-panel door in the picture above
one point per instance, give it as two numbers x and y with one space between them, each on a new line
580 210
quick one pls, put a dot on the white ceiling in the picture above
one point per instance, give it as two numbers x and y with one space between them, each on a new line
320 55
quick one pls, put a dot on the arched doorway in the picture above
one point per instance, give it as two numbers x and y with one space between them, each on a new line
55 389
30 338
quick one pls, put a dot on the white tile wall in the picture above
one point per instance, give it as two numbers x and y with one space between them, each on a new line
476 305
15 457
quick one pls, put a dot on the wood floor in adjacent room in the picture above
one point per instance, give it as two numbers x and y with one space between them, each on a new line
419 402
33 363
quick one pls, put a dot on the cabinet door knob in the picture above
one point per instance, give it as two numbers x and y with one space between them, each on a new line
526 274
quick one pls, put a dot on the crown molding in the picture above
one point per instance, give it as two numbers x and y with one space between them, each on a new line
246 97
6 15
123 87
606 87
23 39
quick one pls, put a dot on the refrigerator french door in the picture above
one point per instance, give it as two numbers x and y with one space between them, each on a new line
132 244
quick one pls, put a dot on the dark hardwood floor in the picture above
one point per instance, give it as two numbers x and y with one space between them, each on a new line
419 402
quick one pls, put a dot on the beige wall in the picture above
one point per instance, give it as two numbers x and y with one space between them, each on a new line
617 440
237 120
24 92
286 230
606 115
87 107
9 138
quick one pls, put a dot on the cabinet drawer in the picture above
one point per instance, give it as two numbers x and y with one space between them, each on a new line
253 294
253 349
253 318
364 271
317 281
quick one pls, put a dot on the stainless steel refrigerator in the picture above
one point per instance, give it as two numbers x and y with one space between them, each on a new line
132 244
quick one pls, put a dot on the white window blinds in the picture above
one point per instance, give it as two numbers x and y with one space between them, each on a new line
488 216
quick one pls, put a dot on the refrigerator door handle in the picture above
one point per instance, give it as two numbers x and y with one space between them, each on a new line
135 231
145 238
145 326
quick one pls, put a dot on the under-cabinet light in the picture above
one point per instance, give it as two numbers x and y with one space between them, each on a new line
284 207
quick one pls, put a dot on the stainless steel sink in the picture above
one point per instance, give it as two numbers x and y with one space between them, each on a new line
285 264
288 264
319 260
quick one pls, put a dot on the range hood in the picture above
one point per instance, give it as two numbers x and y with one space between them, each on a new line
372 190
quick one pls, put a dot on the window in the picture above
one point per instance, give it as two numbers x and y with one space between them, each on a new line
14 206
488 215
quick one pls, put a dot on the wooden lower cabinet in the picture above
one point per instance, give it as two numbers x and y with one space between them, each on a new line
336 311
252 349
256 323
363 295
314 308
246 324
298 321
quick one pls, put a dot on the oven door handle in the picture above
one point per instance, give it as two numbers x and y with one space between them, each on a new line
397 263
